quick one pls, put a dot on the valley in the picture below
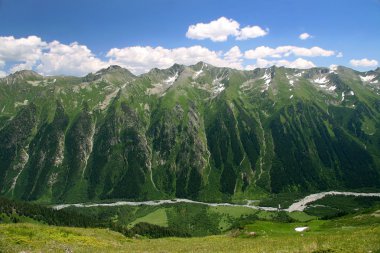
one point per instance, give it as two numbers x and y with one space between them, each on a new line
300 205
191 157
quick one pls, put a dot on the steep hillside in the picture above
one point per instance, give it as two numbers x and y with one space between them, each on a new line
197 132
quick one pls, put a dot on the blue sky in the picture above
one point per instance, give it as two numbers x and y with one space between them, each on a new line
76 37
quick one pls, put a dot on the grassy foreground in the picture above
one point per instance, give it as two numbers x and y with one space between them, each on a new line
42 238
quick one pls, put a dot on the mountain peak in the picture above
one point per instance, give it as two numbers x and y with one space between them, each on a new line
113 73
113 69
23 74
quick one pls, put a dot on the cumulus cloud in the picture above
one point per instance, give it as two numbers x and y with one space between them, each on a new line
141 59
73 59
298 63
2 74
26 51
363 62
56 58
251 32
285 51
339 55
220 29
233 55
48 58
304 36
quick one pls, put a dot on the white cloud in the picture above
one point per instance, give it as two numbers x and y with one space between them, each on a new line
24 51
234 54
304 36
48 58
55 58
298 63
73 59
2 74
251 32
333 67
220 29
363 63
284 51
22 66
141 59
217 30
339 55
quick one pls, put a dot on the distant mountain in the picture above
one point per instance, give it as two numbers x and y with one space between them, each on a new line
199 132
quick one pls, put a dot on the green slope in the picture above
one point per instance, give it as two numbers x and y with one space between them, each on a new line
196 132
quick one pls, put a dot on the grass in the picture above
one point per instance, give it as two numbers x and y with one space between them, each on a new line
42 238
227 214
278 228
301 216
157 217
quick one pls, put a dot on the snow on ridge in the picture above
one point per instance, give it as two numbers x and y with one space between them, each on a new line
333 68
197 73
219 88
267 79
321 80
367 78
293 78
332 88
217 84
171 79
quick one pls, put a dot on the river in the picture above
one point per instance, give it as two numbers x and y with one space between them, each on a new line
299 205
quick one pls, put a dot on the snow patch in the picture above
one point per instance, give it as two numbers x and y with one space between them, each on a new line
171 79
301 229
333 68
291 97
332 88
367 78
34 83
342 96
218 85
26 102
267 79
321 80
197 74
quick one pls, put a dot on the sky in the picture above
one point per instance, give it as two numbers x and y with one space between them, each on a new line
78 37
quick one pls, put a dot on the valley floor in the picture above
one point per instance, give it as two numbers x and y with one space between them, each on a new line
42 238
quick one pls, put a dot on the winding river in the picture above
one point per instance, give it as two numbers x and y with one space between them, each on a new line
299 205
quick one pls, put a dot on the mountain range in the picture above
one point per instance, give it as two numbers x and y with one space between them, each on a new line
198 132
